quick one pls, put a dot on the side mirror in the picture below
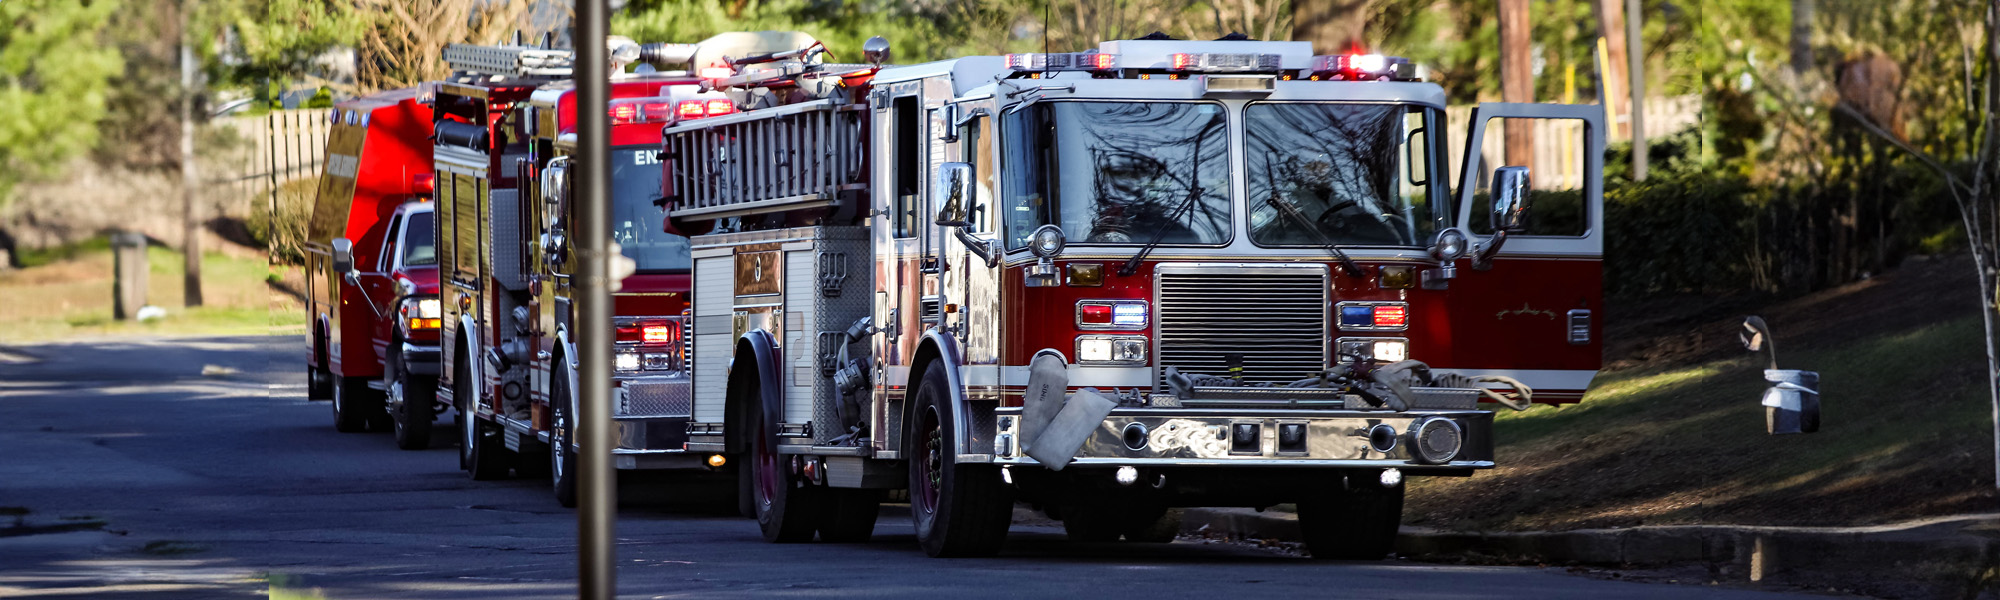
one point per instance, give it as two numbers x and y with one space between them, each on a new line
954 185
1510 199
343 256
555 178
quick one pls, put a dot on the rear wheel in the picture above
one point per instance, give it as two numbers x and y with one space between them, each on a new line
480 449
353 404
784 503
958 509
1357 521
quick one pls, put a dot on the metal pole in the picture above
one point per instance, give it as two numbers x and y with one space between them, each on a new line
1635 57
597 491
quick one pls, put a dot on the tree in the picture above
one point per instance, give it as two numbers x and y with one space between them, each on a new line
403 42
1976 193
54 73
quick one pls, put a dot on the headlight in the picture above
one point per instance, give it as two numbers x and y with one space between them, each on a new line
1111 350
1047 241
1450 245
628 361
428 308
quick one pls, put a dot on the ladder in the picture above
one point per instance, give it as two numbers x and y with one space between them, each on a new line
511 61
798 156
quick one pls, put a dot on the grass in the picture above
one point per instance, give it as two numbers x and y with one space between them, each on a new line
66 292
1906 433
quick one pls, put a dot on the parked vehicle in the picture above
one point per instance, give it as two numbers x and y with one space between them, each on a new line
1155 274
371 270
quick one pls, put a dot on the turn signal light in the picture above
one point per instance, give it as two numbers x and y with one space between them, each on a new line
422 323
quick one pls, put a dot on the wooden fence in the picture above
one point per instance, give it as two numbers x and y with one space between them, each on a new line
275 149
1558 148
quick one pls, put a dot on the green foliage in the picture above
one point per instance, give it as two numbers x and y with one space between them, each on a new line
54 70
842 26
280 38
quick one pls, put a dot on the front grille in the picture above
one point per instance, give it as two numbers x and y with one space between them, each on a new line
1274 316
656 397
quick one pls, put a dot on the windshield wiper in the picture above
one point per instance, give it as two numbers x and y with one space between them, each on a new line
1132 266
1286 209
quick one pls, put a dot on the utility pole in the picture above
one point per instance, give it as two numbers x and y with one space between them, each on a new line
1612 72
1636 58
597 491
190 185
1517 80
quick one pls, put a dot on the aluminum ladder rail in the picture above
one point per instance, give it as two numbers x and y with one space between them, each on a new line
511 61
764 161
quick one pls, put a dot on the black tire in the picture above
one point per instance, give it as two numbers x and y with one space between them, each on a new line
562 463
1155 525
319 380
848 515
959 510
1357 521
415 405
1091 524
354 403
785 505
480 449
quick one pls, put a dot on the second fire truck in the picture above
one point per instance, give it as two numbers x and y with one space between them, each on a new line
1154 274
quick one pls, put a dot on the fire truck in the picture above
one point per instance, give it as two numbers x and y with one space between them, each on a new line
371 270
504 133
1154 274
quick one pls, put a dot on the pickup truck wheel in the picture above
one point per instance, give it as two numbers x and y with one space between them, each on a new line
415 411
849 515
785 505
562 464
1353 522
480 449
353 404
959 510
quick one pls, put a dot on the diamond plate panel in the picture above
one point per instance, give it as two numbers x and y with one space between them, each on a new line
656 397
844 272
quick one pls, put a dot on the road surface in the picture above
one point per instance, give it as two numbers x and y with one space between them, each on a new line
215 478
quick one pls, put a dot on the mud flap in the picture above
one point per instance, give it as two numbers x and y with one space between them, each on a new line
1048 380
1080 416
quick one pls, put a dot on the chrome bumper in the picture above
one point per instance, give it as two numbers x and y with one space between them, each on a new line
1200 437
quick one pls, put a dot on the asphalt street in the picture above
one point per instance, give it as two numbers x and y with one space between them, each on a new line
215 478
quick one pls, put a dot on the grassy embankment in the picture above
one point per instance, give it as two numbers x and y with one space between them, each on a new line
66 292
1907 430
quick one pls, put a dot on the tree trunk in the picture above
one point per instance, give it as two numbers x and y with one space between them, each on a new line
1802 15
1517 79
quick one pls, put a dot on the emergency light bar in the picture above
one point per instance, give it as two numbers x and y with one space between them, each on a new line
1363 67
1215 62
1062 61
660 110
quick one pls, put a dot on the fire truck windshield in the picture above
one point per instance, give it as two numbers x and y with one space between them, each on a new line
1118 172
635 221
1345 168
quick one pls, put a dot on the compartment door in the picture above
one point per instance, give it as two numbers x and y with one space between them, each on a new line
1537 315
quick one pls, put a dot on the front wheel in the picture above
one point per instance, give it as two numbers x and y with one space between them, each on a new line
958 509
413 406
562 463
1356 521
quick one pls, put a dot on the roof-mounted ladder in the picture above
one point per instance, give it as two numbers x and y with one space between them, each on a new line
511 61
770 160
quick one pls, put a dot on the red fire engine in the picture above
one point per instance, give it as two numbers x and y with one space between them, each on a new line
1154 274
505 140
371 273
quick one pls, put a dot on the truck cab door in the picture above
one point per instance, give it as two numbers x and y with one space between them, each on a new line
968 281
1537 314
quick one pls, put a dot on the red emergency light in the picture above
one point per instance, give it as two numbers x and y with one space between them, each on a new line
425 184
1391 316
647 333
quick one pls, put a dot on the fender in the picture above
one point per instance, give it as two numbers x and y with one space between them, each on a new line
770 389
946 349
568 366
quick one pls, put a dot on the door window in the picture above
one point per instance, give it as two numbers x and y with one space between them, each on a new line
1554 151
